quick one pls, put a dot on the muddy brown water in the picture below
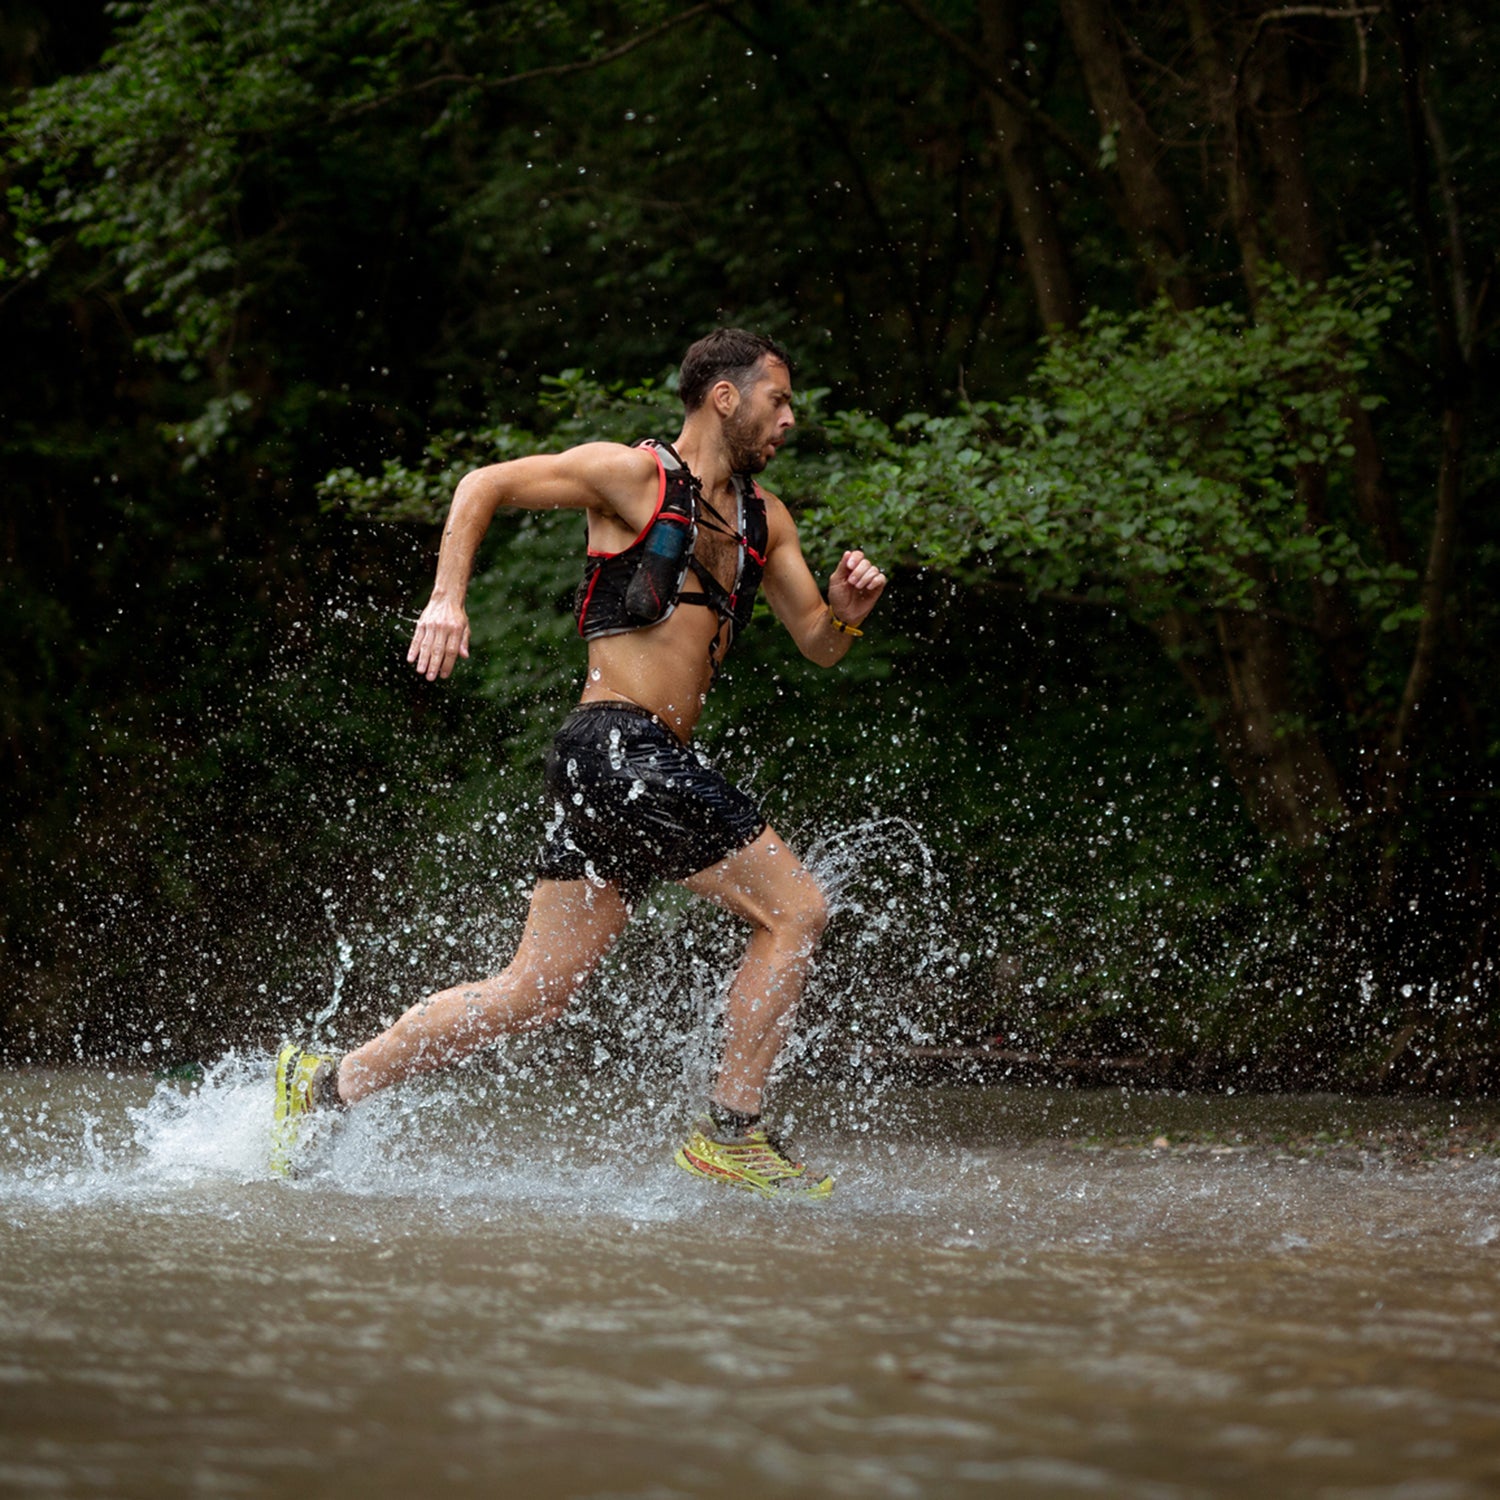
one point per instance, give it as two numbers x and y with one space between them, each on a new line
476 1290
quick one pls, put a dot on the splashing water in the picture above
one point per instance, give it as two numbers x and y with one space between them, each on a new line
623 1072
495 1280
641 1041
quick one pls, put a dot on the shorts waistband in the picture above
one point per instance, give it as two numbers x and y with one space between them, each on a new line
602 705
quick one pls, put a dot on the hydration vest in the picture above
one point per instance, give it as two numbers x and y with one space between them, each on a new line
642 584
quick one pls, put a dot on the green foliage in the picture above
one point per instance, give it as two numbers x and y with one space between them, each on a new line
160 158
573 409
356 213
1152 463
251 244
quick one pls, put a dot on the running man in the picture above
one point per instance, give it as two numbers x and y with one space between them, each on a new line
680 538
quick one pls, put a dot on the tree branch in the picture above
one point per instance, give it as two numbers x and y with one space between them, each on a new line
1326 12
552 70
1350 12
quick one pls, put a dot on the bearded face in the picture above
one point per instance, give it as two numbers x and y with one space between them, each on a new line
746 437
757 427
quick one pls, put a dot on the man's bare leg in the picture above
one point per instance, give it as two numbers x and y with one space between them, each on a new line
767 885
572 924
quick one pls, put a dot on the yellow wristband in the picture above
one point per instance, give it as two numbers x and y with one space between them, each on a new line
841 627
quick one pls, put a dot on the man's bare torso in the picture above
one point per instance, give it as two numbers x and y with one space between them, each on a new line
667 667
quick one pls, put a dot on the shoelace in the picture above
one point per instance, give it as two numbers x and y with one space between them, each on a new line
764 1149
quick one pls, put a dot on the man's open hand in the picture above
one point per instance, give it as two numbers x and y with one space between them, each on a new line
441 637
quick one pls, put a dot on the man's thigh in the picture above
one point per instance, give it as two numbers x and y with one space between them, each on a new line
764 882
571 925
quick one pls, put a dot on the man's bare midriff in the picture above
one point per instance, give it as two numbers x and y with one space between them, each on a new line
664 668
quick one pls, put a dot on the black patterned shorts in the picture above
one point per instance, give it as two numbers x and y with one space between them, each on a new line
633 805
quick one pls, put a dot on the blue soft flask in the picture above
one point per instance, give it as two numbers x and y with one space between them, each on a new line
663 565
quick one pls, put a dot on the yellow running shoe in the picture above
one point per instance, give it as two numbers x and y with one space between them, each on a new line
754 1161
304 1080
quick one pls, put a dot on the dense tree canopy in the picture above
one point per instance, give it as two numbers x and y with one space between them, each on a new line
1150 344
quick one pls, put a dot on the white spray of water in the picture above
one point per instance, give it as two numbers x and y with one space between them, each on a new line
596 1105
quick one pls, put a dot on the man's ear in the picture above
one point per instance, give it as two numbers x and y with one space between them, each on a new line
725 396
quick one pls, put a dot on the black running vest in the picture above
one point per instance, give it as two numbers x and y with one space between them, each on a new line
642 584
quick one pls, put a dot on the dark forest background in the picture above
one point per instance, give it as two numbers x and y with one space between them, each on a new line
1150 346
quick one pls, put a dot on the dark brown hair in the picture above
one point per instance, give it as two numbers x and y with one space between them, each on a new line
729 354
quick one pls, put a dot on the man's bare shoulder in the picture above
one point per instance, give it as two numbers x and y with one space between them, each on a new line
602 451
779 523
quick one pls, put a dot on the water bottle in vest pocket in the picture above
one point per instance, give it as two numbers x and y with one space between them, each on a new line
663 565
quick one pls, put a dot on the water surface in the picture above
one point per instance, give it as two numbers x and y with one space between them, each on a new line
481 1287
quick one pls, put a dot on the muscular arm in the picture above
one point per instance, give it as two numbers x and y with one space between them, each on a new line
798 603
601 477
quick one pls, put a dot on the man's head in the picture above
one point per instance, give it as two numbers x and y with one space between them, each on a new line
757 410
725 354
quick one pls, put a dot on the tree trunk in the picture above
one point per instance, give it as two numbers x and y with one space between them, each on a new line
1153 215
1447 293
1277 108
1238 665
1221 91
1026 179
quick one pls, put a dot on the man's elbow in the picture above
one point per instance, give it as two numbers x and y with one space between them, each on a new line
480 491
822 652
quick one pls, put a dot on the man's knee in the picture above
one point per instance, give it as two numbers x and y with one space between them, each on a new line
545 996
804 918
